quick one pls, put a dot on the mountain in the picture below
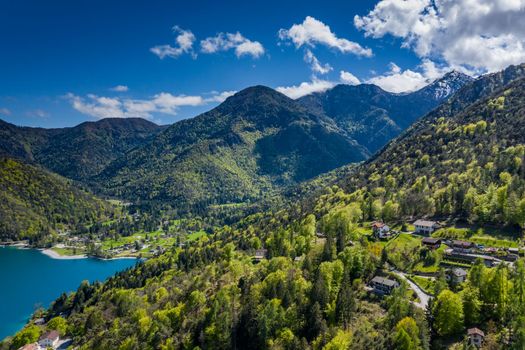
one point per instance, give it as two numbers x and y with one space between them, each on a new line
465 159
373 116
35 202
78 152
255 141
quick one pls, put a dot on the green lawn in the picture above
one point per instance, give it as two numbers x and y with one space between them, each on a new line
68 251
403 250
425 283
491 237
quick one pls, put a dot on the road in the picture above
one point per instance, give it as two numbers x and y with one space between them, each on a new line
423 297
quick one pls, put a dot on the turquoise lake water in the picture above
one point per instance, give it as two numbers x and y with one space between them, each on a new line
29 278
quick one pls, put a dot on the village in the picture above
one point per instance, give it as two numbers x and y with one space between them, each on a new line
455 257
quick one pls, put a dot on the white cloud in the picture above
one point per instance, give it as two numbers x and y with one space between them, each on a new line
120 88
398 80
306 88
37 113
470 35
115 107
5 111
184 41
348 78
236 41
315 65
220 96
312 32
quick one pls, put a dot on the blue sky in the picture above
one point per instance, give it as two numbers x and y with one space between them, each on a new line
62 61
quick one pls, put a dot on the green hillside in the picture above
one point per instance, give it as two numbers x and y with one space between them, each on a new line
35 203
256 141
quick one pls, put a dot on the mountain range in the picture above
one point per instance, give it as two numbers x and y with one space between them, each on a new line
255 142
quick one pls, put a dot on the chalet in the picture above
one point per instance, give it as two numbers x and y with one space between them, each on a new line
462 246
383 285
49 340
432 243
32 346
475 337
260 254
380 230
457 275
425 227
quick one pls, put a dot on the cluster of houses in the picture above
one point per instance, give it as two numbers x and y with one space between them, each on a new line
48 340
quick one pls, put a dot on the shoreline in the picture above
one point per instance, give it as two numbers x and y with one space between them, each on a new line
54 255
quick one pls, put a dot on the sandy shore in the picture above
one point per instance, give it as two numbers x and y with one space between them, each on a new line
54 255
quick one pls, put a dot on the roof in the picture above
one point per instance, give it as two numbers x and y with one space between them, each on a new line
32 346
51 335
430 240
385 281
425 223
473 331
459 272
378 225
463 244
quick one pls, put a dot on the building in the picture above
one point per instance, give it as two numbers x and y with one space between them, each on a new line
462 246
381 230
383 285
425 227
260 254
32 346
457 275
432 243
475 337
49 340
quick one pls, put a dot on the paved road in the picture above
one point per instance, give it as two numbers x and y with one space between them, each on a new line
424 298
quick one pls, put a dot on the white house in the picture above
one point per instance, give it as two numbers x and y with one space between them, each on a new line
380 230
49 340
425 227
457 275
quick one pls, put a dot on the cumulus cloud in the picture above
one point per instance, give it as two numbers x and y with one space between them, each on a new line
314 63
471 35
236 41
398 80
348 78
306 88
120 88
184 44
5 111
115 107
313 32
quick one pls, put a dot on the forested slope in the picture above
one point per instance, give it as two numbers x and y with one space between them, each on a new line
35 203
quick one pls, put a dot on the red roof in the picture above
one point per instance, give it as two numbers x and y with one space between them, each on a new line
32 346
378 224
51 335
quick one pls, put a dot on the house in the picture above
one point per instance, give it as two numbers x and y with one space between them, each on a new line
425 227
32 346
457 275
383 285
260 254
380 230
432 243
475 337
49 340
462 246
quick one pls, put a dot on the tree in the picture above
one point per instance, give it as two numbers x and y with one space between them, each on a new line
59 324
26 336
341 341
407 335
345 303
471 305
448 314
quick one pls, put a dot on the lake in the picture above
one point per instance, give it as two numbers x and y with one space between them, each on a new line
29 279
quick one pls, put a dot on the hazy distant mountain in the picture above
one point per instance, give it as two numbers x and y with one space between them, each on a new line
255 141
373 116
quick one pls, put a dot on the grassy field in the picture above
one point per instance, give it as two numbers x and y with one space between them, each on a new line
402 250
425 283
491 237
68 251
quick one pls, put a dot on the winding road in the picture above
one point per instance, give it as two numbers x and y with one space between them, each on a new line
423 297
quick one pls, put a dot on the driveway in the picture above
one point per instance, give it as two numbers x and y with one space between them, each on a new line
423 297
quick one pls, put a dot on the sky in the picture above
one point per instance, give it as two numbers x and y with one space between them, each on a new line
66 62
